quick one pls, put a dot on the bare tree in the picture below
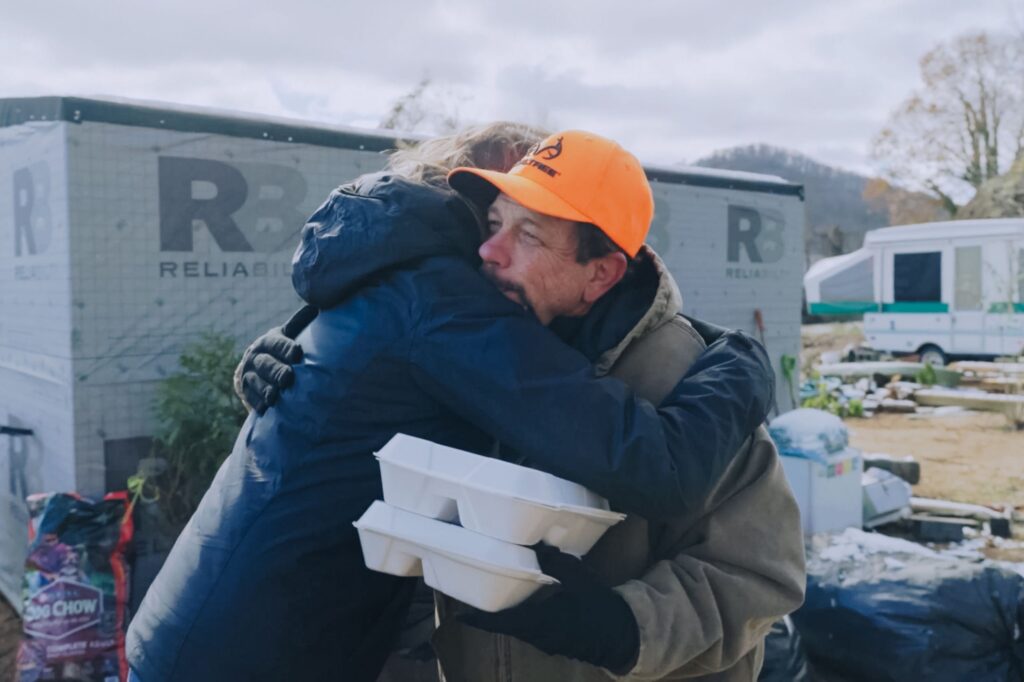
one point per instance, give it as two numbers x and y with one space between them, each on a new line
965 125
1016 19
902 206
425 108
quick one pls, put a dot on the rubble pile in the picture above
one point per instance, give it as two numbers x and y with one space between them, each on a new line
862 389
882 608
915 587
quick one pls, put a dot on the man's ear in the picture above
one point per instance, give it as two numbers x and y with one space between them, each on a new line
605 272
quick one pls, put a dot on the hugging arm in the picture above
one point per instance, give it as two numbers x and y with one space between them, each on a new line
518 381
513 378
265 369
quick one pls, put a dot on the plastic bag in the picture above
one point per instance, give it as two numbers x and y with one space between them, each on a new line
75 589
810 434
876 612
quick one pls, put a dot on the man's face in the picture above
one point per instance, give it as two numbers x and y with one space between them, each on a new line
531 257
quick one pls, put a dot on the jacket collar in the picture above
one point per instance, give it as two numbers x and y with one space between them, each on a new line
645 299
666 304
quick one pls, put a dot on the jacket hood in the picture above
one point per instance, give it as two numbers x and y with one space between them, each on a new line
645 299
379 221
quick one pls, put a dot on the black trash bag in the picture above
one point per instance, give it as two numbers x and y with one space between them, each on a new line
412 658
905 617
784 657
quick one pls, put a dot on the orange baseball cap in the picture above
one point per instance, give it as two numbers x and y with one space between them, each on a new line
574 175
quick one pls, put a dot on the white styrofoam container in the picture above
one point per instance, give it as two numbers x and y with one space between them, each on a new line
493 497
483 572
827 490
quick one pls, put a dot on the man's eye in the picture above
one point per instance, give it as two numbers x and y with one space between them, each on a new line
493 226
529 237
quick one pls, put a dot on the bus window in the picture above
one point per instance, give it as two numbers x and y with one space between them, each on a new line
968 278
917 277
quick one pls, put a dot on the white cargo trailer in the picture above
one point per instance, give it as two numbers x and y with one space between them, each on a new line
127 230
947 290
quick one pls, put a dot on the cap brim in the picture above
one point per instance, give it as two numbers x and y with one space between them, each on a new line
483 186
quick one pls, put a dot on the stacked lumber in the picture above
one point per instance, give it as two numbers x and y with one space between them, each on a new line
881 386
1010 405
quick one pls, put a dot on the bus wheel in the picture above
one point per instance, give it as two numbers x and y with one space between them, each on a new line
932 355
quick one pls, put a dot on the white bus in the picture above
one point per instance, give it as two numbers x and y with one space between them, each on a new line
947 290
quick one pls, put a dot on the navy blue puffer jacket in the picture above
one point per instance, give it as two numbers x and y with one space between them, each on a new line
267 581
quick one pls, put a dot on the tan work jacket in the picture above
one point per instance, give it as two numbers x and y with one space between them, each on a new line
705 587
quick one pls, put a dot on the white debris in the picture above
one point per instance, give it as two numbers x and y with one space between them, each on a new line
854 543
830 357
857 545
944 411
809 431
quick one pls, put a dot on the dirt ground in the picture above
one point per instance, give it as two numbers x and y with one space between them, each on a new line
966 457
972 457
816 339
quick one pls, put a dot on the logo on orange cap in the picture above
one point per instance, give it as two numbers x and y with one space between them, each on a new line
549 153
578 176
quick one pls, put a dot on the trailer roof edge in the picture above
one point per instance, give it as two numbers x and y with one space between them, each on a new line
715 181
946 229
77 110
162 116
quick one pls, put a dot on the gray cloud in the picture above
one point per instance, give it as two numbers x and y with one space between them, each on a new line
671 80
282 36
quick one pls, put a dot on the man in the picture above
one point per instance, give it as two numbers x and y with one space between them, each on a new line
702 588
267 580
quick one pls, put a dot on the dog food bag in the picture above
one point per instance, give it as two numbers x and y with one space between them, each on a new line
75 589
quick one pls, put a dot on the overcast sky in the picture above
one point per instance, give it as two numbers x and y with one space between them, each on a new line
672 80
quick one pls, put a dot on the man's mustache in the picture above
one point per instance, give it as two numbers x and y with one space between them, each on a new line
505 285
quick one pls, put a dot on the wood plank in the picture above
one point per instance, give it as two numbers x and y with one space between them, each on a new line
907 370
868 369
999 384
979 367
950 508
895 405
1010 405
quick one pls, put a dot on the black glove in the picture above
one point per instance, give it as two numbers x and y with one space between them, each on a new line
586 620
265 369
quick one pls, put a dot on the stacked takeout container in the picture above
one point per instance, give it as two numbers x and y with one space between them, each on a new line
461 521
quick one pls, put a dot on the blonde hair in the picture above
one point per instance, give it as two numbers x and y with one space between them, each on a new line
494 146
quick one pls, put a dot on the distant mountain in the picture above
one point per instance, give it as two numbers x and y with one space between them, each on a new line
841 205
